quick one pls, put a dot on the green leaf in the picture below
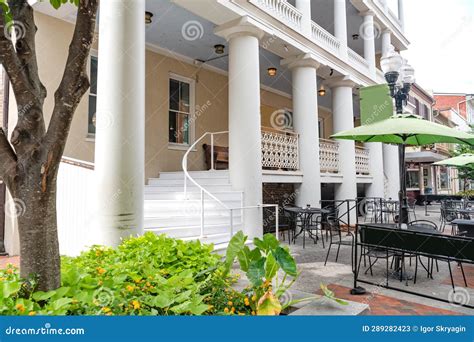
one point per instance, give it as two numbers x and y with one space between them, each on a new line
271 267
244 258
286 261
271 241
10 288
59 303
256 272
40 295
236 244
163 300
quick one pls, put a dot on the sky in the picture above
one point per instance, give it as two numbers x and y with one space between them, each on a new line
441 35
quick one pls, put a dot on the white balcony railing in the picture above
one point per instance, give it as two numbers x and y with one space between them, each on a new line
326 39
280 149
357 60
282 10
362 160
329 156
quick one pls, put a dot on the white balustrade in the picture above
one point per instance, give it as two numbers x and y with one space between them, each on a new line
329 155
282 10
362 160
326 39
358 61
280 149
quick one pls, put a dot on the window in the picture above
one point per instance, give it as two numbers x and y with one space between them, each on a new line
443 178
181 92
413 179
417 107
92 96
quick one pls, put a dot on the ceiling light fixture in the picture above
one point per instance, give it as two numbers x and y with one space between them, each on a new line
355 36
322 91
148 17
272 71
219 49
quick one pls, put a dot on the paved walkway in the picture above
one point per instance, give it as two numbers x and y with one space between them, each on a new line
339 276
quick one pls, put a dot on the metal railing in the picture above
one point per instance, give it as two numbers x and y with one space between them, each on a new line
280 149
329 155
203 192
359 61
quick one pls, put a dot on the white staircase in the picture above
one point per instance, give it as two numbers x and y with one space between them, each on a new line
167 211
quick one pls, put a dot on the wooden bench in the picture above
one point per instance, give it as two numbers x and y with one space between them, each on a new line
221 157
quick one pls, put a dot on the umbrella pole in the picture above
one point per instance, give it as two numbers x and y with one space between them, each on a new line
402 195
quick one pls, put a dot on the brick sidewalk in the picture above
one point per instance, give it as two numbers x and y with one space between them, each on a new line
4 261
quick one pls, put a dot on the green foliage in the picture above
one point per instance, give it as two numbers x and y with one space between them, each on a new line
55 3
149 275
465 173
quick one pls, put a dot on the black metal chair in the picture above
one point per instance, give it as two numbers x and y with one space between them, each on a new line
335 238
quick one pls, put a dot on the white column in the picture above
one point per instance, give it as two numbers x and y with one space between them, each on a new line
390 166
343 119
119 146
386 40
305 121
377 187
340 24
401 13
368 35
304 6
245 160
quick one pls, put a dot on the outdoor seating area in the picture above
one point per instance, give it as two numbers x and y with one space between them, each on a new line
429 260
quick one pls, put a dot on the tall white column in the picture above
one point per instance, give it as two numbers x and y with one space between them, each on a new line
401 13
391 170
340 24
304 6
305 121
343 119
245 160
386 40
120 145
377 187
368 35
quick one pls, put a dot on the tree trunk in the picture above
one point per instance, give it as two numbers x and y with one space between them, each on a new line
35 206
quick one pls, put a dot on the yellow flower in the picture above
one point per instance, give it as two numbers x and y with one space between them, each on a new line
106 309
241 314
232 310
253 313
254 298
230 303
246 301
130 288
10 271
20 307
136 304
100 282
32 313
2 279
100 270
226 310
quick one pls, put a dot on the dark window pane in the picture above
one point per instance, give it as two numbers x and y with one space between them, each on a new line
92 116
174 94
172 128
183 136
184 97
94 75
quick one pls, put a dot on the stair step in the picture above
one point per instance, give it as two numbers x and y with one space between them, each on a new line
182 232
191 188
193 206
221 195
180 181
195 174
187 221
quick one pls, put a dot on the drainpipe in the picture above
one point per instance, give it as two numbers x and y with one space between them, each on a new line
3 192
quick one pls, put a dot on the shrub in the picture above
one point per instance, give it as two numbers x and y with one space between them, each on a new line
148 275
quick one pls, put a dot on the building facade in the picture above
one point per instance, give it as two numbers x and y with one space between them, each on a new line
251 90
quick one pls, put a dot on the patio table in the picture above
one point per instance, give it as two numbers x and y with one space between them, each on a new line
305 215
465 227
467 213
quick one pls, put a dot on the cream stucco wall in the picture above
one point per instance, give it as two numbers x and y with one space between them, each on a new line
211 101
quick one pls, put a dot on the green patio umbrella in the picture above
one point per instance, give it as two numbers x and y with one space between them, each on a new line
461 160
403 130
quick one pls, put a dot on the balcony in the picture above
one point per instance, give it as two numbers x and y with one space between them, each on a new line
281 10
325 39
279 150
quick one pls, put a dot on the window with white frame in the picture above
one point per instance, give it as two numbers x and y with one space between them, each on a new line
92 96
181 107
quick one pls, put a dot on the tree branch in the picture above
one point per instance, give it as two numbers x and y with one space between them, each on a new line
8 158
75 81
18 56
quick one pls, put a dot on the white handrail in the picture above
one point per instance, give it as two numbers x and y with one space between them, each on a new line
187 176
204 191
